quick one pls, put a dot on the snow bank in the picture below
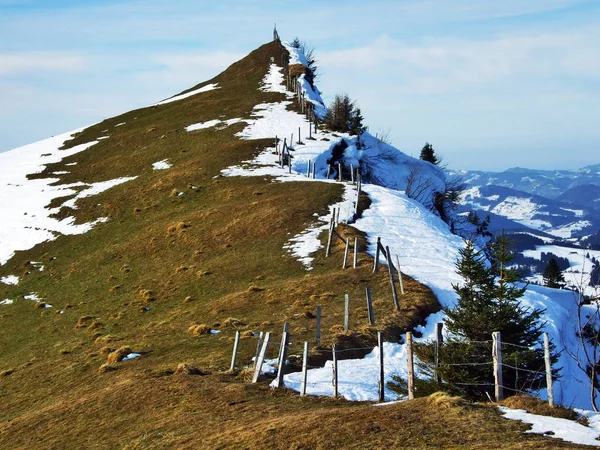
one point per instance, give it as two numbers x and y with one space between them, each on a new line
208 87
567 430
213 123
6 302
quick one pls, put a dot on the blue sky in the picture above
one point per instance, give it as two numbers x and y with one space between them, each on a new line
492 84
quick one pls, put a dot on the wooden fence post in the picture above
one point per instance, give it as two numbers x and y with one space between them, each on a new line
299 137
497 356
308 170
286 328
376 263
399 275
339 171
355 263
318 333
314 170
309 132
370 307
346 312
328 170
236 342
346 253
304 370
261 357
258 347
352 173
335 371
548 362
439 340
381 383
331 227
391 272
282 357
411 366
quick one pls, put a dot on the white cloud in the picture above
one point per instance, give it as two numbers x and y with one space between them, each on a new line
11 63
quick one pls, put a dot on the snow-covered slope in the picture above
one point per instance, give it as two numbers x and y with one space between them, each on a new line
26 219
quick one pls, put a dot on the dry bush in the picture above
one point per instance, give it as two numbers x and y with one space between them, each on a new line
187 369
118 355
198 330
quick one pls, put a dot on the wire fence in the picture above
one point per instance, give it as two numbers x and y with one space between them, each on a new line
484 371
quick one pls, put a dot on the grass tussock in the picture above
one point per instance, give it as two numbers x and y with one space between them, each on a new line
118 355
199 330
187 369
178 227
6 372
106 367
83 322
232 322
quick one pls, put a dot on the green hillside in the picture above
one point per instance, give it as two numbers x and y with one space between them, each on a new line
184 247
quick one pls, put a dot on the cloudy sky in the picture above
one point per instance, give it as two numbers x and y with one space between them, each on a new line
492 84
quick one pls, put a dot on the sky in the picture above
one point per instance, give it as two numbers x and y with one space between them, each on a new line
491 84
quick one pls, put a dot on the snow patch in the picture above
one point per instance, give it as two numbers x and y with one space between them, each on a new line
12 280
208 87
131 356
7 302
162 165
567 430
94 189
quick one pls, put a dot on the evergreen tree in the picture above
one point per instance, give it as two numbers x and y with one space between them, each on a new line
296 43
553 276
488 301
340 113
356 123
428 154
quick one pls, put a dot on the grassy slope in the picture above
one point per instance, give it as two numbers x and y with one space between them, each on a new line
228 260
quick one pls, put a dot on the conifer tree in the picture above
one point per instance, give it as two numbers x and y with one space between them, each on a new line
553 276
428 154
488 301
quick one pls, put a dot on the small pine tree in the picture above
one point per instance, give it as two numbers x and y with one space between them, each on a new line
296 43
488 301
428 154
356 123
553 276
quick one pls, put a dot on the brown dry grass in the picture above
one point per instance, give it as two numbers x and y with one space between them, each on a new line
118 355
199 330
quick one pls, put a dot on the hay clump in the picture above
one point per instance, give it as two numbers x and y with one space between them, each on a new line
118 355
199 330
233 322
445 401
147 295
6 372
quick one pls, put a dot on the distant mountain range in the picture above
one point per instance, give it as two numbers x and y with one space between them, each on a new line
559 205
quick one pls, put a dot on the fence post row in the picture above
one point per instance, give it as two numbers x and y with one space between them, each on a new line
411 366
497 357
